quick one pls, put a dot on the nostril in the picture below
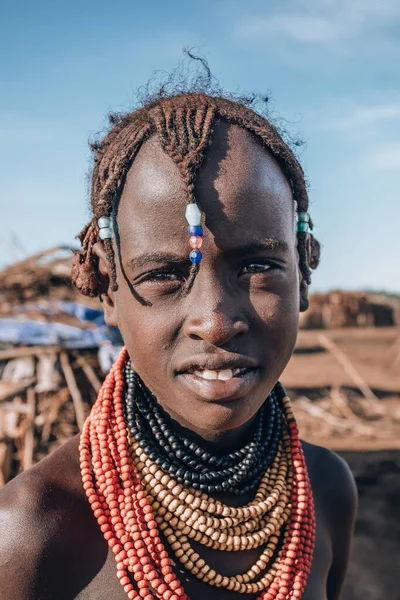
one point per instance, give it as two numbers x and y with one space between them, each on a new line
217 329
194 336
241 326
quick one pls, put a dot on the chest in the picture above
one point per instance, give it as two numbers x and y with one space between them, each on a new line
105 585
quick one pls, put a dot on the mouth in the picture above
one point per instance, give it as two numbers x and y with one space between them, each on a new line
220 375
228 382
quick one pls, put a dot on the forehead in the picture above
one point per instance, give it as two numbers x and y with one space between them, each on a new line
239 187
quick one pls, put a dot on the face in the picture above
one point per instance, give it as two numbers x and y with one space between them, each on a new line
241 315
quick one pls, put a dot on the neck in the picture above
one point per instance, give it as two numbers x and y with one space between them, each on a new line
214 441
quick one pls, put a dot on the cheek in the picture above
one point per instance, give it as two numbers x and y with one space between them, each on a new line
279 311
277 296
147 332
277 319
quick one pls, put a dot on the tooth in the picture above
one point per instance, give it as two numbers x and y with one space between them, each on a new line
207 374
225 374
239 371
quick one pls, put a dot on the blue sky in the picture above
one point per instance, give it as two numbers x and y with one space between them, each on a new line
330 66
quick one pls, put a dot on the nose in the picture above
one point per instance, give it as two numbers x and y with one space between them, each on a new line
214 316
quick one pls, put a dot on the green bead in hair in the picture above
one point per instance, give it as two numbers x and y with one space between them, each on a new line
302 226
303 216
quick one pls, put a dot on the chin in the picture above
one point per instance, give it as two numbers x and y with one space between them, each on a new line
218 417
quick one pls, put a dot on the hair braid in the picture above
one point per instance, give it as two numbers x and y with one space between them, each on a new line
184 124
185 140
84 264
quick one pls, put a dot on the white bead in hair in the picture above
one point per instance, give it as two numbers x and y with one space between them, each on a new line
104 222
106 233
105 228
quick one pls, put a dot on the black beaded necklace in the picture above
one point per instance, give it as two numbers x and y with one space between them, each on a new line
188 463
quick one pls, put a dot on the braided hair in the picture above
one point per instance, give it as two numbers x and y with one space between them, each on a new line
184 123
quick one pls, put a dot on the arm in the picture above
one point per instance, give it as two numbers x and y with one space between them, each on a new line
342 504
18 547
50 544
38 544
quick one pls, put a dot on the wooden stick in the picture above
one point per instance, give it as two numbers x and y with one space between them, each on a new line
17 406
336 422
11 424
31 260
15 388
348 367
27 351
88 370
57 401
392 356
5 461
321 413
343 406
73 388
27 457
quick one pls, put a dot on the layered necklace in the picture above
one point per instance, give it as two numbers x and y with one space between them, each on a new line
143 480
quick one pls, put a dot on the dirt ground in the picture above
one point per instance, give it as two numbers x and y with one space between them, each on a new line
314 374
370 444
374 572
372 351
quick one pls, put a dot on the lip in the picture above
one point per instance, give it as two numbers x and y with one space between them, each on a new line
216 362
215 390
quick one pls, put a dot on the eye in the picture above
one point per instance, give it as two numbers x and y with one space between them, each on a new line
162 276
257 266
166 277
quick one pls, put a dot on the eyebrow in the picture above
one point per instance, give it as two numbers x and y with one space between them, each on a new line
157 258
245 250
258 246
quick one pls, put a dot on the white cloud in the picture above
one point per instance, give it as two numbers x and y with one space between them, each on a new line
320 21
302 28
366 115
385 157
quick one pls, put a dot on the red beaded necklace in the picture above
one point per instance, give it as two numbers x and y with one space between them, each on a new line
126 518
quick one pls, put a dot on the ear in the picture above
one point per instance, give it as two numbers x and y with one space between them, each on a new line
106 294
304 302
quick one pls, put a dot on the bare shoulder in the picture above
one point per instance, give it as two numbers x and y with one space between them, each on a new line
335 496
331 478
43 515
38 495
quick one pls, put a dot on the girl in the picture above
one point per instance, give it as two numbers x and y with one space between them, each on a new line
188 479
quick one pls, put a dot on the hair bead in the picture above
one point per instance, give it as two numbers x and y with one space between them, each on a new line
193 217
303 221
303 216
104 222
105 228
302 226
195 241
105 233
193 214
196 230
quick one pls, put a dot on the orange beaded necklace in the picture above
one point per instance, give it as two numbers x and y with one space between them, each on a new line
125 510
